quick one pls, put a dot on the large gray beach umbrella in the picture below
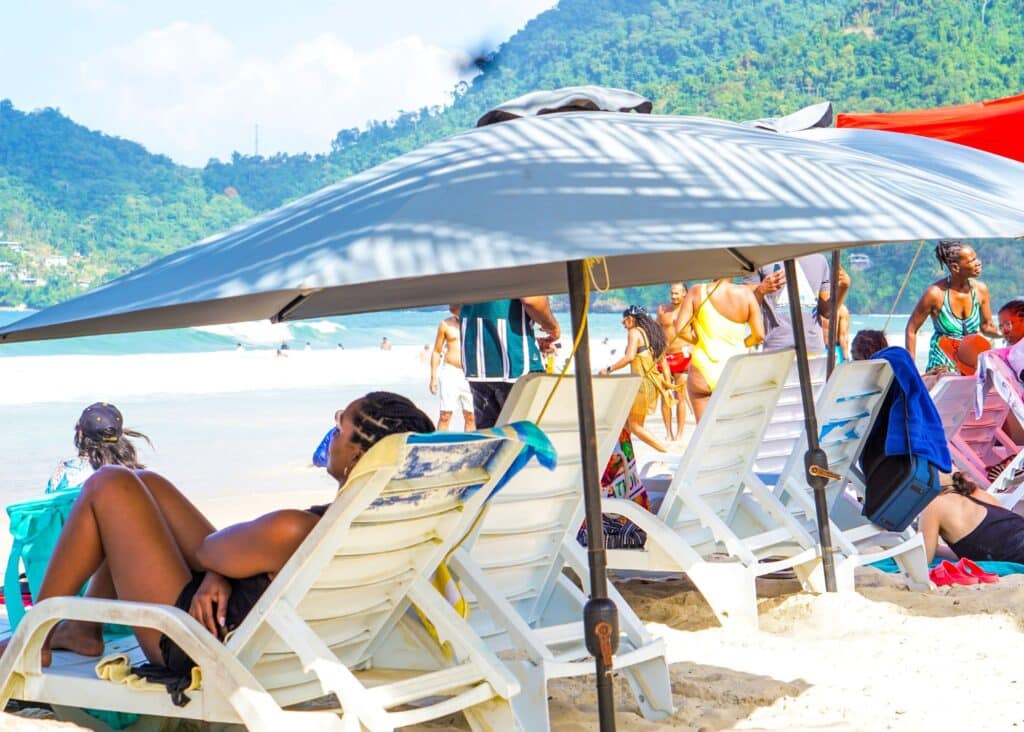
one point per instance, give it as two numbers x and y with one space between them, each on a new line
511 209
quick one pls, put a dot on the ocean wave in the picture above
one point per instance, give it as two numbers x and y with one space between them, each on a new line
257 332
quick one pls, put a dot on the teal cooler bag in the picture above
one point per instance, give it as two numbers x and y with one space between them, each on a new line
35 526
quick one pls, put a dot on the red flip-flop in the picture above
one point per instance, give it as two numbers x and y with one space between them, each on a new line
948 573
968 567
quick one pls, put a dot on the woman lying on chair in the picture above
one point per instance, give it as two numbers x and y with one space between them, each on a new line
139 538
973 524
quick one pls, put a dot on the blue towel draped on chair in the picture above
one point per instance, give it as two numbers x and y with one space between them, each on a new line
913 413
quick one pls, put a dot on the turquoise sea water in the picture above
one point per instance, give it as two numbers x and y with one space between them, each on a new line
401 327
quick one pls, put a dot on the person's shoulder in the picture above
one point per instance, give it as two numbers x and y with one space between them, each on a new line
980 286
936 289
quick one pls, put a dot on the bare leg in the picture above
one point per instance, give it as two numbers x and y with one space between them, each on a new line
699 393
188 526
635 425
470 421
666 417
187 523
680 381
443 421
117 519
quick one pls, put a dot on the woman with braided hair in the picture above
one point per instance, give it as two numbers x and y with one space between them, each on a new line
157 547
645 347
973 524
957 306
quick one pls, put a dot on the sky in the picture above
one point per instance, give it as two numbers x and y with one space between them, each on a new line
192 79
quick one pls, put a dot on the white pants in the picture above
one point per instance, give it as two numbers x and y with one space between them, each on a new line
454 390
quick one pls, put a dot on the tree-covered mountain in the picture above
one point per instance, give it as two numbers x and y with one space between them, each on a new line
65 190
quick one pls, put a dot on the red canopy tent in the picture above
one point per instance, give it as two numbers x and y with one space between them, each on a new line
993 126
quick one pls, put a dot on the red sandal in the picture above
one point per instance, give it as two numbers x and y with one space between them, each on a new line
968 567
948 573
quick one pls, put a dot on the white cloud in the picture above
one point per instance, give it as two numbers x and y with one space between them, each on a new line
186 91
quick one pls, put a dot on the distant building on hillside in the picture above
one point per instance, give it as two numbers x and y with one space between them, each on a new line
6 266
30 280
56 261
860 262
14 246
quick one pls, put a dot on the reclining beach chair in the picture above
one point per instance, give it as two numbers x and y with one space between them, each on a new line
700 518
511 568
846 410
787 423
335 619
996 387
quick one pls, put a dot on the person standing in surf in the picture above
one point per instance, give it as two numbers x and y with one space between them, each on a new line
958 305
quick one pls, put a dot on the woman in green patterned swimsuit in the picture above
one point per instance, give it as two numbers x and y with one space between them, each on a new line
957 306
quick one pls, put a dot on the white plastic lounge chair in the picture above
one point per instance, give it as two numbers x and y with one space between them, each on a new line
954 400
981 441
787 423
512 567
339 607
701 514
996 380
846 411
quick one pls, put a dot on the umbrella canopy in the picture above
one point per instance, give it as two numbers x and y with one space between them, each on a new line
497 211
977 169
993 126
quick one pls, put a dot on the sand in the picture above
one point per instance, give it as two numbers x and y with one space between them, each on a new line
882 658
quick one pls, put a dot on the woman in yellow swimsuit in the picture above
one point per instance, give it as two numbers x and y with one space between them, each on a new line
645 348
715 318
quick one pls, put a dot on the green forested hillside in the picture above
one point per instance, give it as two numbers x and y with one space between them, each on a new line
64 189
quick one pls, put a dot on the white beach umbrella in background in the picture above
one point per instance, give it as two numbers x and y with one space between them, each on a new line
567 99
513 209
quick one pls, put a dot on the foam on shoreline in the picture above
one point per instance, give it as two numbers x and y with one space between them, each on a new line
39 379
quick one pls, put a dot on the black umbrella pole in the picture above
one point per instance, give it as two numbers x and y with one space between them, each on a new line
815 460
600 616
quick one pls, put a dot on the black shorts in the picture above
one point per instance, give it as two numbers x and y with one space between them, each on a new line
244 595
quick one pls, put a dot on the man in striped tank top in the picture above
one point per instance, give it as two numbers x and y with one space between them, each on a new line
499 346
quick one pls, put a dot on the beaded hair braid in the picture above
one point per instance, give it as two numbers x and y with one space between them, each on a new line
948 252
383 413
1014 308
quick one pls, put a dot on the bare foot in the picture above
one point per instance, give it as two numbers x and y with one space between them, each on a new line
85 639
45 655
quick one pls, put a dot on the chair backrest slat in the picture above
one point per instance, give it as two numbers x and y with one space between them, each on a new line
846 410
725 443
519 541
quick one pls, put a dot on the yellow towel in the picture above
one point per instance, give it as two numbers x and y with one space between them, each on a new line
117 669
448 587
